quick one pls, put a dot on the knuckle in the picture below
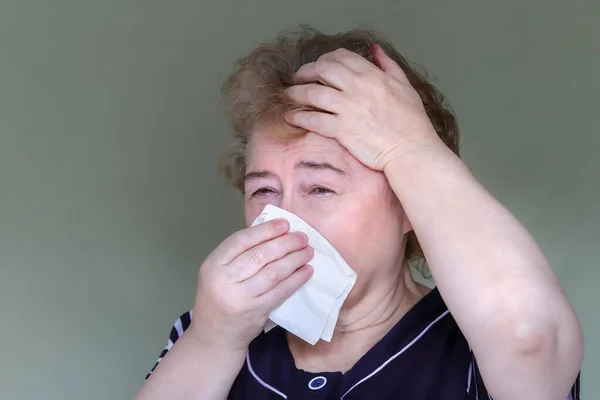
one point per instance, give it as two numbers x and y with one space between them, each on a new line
322 66
325 56
361 82
342 52
271 276
272 228
315 120
256 257
278 293
315 93
239 239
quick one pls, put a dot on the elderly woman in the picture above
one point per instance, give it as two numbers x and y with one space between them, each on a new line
339 130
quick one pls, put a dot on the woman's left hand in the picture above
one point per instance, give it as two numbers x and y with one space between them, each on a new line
373 112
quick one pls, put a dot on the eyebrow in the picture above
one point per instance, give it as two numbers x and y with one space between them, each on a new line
257 175
301 165
320 166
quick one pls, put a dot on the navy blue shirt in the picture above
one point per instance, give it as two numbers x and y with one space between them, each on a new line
424 356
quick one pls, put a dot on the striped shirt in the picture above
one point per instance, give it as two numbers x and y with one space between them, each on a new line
424 356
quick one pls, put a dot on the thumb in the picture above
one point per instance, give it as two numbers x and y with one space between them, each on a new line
388 65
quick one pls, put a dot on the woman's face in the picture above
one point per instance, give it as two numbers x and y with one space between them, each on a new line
351 205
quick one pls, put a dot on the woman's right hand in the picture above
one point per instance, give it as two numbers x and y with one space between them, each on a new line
245 278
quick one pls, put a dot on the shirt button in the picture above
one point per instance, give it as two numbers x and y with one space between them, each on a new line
317 383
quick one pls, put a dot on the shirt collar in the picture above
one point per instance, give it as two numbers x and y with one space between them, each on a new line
271 362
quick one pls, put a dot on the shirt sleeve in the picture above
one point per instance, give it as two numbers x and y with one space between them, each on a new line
574 393
182 323
476 387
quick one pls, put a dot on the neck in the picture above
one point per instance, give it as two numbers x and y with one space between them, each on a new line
360 325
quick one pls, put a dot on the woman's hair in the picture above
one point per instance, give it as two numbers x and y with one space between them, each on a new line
255 93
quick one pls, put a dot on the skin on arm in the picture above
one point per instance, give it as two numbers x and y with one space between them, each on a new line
494 278
246 277
193 370
497 283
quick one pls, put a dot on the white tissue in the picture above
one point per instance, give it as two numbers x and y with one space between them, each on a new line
312 312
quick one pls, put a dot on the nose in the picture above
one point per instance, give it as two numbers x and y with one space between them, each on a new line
288 204
302 210
294 202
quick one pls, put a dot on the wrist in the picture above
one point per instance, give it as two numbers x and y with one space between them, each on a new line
215 343
404 158
414 137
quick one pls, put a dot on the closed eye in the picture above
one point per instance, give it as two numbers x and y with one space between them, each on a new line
321 191
263 191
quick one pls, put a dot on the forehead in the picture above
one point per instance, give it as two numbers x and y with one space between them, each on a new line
265 146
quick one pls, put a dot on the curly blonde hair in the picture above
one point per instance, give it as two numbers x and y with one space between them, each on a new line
254 94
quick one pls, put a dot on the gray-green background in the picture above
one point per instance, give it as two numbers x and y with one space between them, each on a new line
110 123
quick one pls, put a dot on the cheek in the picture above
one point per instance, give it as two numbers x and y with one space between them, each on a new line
367 233
346 227
251 211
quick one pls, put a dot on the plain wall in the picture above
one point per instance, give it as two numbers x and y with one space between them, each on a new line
110 126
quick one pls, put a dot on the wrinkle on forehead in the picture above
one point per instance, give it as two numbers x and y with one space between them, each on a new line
309 144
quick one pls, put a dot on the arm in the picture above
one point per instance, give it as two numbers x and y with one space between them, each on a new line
192 370
491 273
494 278
246 277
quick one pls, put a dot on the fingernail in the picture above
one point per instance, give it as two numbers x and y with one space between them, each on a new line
282 225
303 236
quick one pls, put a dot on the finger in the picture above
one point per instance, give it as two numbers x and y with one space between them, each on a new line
280 293
253 260
277 271
246 239
328 72
318 96
350 59
387 64
314 121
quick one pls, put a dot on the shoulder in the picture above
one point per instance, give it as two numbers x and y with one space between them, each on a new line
181 324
